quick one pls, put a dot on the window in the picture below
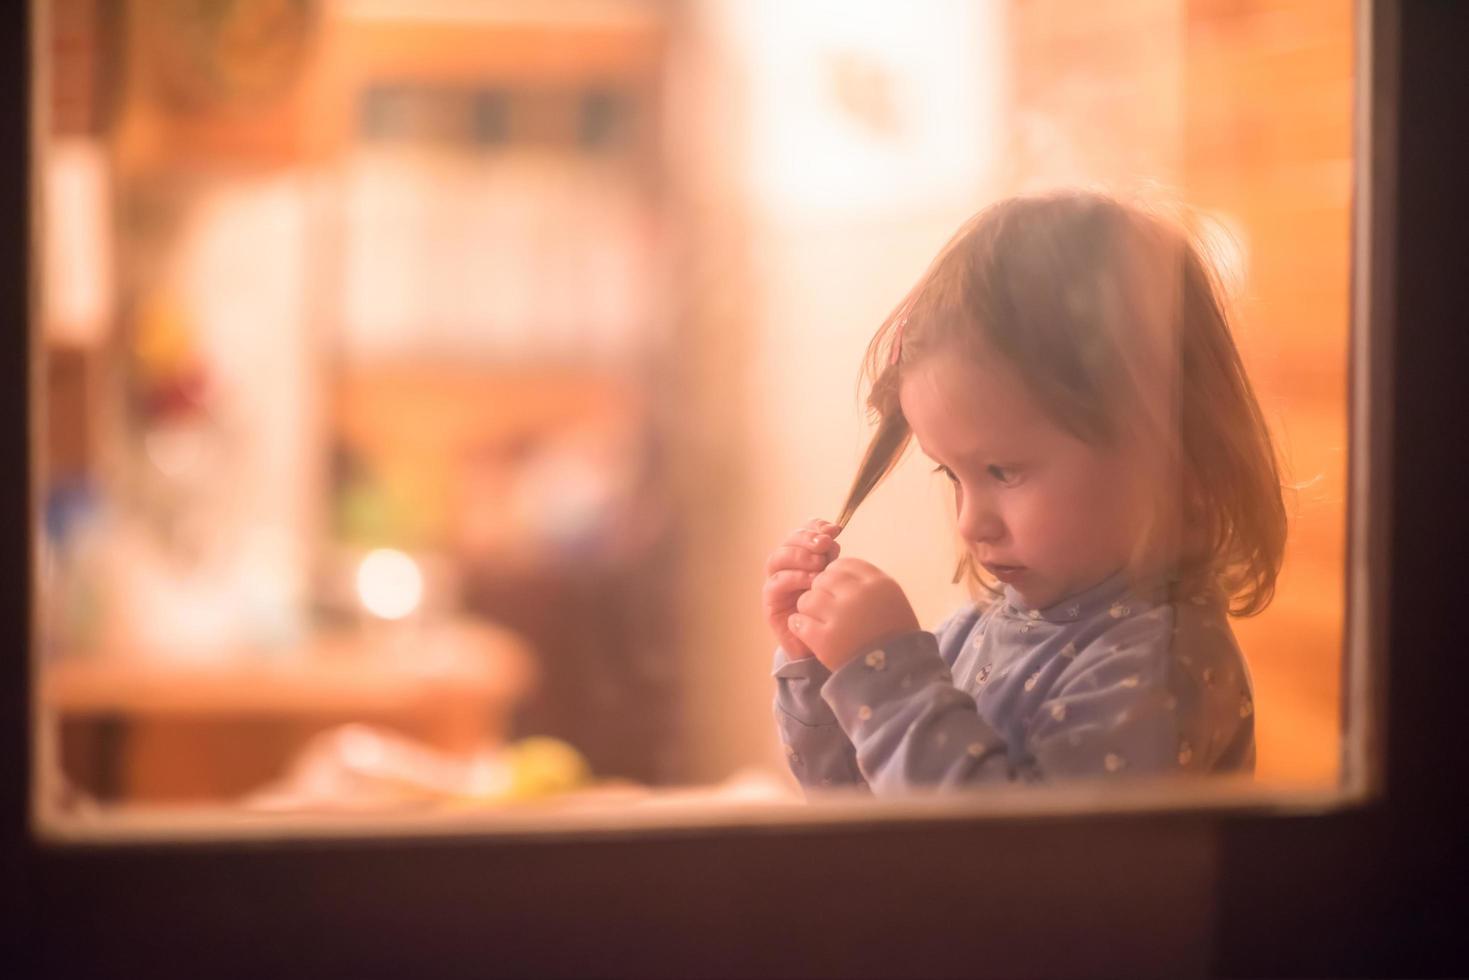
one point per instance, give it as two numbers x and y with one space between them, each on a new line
1229 880
420 387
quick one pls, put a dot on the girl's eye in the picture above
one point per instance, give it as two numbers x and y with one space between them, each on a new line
1002 474
948 473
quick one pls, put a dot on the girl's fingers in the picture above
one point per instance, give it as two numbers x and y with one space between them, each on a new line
812 539
792 570
814 605
792 557
809 630
800 624
793 645
781 585
828 589
837 574
859 569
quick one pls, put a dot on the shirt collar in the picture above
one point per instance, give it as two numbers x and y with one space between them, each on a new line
1089 602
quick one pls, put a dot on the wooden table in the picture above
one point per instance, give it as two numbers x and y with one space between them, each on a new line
138 728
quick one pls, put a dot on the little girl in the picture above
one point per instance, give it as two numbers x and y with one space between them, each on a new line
1067 363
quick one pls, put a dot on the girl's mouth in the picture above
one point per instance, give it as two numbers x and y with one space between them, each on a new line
1005 573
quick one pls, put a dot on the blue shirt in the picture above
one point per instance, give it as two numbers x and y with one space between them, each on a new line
1118 680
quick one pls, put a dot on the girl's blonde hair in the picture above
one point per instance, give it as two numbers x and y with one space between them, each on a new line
1117 324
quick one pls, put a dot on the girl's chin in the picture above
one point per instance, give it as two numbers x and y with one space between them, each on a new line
1031 601
1034 594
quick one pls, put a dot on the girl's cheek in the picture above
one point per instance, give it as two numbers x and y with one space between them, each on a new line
1059 526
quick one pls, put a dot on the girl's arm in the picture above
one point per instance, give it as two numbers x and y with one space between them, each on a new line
1125 706
909 726
817 750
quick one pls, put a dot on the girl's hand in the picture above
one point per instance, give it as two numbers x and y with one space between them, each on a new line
851 605
790 571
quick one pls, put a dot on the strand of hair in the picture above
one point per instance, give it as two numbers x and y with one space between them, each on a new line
881 456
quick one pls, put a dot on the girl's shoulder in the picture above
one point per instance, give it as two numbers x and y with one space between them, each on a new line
1161 618
1161 629
1204 649
1128 636
1177 638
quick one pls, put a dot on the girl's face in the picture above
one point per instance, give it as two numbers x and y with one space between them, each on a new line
1040 510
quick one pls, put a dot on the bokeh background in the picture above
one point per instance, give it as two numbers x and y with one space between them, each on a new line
424 383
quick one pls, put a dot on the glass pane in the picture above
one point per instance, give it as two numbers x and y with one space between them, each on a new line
430 387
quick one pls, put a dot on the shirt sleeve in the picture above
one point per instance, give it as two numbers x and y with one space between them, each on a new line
817 750
908 723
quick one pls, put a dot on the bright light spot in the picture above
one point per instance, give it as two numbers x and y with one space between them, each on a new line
389 584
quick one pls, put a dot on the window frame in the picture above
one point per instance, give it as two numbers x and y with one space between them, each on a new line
1365 883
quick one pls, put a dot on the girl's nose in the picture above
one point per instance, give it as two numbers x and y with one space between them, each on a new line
979 521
